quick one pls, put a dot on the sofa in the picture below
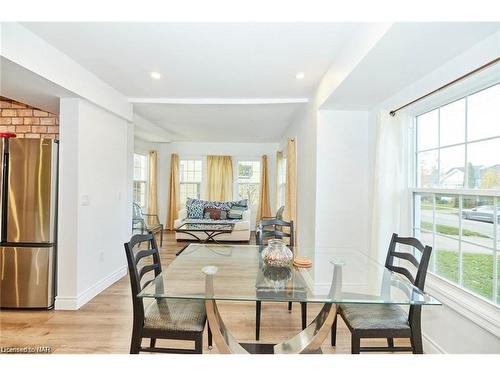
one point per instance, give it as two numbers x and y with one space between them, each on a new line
241 231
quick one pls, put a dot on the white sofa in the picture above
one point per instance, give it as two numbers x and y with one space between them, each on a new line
241 231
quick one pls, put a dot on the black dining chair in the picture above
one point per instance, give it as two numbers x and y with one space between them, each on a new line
160 318
389 321
274 229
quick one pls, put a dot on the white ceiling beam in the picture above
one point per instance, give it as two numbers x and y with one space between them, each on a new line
219 101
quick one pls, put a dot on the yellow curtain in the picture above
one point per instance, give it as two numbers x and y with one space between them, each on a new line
264 209
279 173
219 178
291 188
153 177
173 206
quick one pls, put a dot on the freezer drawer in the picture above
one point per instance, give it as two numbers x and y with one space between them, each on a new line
27 277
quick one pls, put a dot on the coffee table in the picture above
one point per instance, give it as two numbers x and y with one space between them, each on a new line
210 229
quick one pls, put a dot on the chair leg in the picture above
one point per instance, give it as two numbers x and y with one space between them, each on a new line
152 343
303 309
257 320
198 343
416 340
135 343
161 237
334 331
209 336
390 342
289 307
355 344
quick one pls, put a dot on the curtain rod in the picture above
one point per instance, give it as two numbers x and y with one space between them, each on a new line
492 62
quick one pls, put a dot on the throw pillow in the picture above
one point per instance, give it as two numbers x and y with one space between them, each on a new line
235 214
213 213
195 210
219 205
241 203
223 215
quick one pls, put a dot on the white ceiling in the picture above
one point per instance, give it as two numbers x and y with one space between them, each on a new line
405 54
236 62
203 60
221 123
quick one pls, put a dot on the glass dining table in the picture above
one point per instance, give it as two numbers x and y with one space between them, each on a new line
237 273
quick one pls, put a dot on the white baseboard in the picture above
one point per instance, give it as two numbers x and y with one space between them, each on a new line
74 303
430 346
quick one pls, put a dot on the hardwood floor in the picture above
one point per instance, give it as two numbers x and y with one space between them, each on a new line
104 324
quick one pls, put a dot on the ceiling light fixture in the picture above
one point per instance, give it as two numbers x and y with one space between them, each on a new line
155 75
300 75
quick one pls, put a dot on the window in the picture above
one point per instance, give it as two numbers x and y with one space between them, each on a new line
249 181
140 179
456 205
189 179
281 182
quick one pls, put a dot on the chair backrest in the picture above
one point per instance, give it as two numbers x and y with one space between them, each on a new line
150 262
137 212
419 279
271 229
280 212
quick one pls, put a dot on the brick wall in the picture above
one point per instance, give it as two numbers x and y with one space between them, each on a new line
26 121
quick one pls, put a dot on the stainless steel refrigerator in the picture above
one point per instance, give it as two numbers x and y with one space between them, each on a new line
28 222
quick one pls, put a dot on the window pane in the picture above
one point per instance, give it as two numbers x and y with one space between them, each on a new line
423 212
484 164
250 192
477 220
483 114
477 269
447 215
452 123
446 258
428 168
451 167
427 126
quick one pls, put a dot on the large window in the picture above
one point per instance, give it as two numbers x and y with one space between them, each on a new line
140 179
189 179
457 199
249 181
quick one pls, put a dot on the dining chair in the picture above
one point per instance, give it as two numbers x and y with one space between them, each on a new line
274 229
160 318
389 321
146 223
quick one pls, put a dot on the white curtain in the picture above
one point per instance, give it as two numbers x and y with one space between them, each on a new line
390 212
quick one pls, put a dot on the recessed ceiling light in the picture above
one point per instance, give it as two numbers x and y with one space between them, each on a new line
300 75
155 75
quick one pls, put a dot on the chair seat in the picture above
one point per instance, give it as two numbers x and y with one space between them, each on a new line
377 317
175 315
154 227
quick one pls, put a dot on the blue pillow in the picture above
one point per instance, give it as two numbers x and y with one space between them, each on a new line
195 209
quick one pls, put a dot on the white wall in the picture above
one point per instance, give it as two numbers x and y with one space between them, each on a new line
239 151
345 146
95 201
457 326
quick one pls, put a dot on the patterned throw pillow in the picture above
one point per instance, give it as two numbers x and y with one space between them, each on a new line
219 205
195 209
240 203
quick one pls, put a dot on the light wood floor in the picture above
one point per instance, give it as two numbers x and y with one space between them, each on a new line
104 324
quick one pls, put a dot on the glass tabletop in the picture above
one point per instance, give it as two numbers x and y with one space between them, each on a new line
237 272
194 227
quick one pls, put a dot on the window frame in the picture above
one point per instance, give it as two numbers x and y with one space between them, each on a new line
440 283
